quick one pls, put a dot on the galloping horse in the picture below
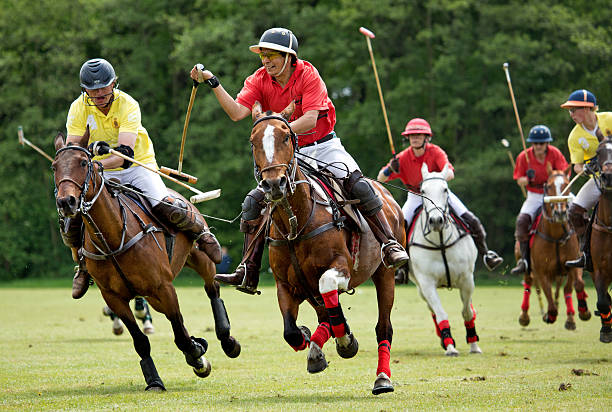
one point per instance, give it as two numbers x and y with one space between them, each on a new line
311 257
443 255
133 259
554 242
601 239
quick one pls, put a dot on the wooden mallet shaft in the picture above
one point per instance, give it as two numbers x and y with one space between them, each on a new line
23 140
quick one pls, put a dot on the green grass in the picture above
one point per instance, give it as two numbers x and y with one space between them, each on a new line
60 354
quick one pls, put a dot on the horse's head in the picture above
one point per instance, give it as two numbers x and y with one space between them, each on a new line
555 186
434 189
604 161
72 171
274 145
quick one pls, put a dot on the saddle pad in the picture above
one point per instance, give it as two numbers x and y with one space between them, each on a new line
347 210
534 228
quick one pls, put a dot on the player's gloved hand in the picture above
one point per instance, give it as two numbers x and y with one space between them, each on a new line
395 165
530 174
99 148
200 75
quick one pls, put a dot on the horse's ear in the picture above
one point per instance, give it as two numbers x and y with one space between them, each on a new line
288 111
424 170
568 171
58 142
256 110
445 171
549 168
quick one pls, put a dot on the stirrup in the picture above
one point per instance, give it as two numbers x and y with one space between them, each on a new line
243 287
577 263
520 268
497 260
401 261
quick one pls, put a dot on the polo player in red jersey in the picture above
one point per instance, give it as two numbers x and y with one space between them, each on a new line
282 79
406 166
530 171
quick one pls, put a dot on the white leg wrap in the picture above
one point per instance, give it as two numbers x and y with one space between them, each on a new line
332 279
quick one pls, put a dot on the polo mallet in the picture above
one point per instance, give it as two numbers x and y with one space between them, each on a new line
516 114
199 195
369 35
178 174
23 140
506 144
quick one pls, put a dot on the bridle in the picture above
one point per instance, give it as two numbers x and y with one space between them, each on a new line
445 210
554 207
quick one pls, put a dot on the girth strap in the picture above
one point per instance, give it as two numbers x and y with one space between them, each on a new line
103 256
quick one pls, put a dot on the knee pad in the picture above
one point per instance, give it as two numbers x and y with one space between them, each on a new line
253 204
369 202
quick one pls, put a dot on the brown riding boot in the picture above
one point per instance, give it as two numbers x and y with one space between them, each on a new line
179 215
579 222
246 276
394 254
490 258
81 280
523 221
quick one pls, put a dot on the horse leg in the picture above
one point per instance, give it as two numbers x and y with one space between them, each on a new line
385 287
524 317
469 316
330 282
193 348
117 324
583 310
603 307
551 315
121 308
142 312
570 323
430 295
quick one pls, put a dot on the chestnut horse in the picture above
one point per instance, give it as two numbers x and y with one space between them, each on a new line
313 259
133 260
601 239
554 242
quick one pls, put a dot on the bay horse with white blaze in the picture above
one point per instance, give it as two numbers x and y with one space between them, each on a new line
553 243
125 255
442 254
311 257
601 239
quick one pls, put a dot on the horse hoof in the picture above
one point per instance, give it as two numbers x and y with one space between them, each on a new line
306 332
148 328
204 371
382 384
155 387
316 361
474 348
231 347
570 325
524 319
117 326
549 319
451 351
586 315
347 350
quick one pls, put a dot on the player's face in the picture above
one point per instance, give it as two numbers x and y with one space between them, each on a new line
578 114
540 148
100 97
417 140
273 61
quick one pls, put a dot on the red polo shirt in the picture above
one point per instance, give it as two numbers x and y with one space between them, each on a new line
305 87
410 165
553 156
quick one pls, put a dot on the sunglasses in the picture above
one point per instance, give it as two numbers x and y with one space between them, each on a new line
574 109
269 55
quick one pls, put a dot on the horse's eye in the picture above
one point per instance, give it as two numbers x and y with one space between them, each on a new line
83 163
287 137
53 168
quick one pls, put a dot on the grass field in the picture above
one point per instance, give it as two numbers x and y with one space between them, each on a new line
60 354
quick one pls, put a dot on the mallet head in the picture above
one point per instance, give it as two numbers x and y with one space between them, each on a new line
20 134
366 32
506 66
505 143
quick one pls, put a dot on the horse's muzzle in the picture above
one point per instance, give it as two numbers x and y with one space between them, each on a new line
67 205
275 189
436 222
606 182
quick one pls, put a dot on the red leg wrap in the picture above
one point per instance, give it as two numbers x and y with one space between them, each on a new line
606 318
582 295
470 332
445 331
570 304
322 334
300 347
338 323
582 305
526 294
384 354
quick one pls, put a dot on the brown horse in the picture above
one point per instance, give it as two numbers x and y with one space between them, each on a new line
126 257
601 239
554 242
314 259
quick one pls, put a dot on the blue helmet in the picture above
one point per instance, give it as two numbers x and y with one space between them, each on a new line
539 134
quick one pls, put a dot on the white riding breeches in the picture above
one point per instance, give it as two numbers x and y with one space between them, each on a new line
532 204
414 201
330 154
150 183
588 195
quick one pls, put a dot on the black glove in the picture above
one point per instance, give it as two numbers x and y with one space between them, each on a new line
530 174
129 152
99 148
395 165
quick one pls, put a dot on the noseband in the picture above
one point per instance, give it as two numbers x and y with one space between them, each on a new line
428 211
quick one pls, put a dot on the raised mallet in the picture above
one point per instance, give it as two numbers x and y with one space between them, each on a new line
506 144
369 35
23 140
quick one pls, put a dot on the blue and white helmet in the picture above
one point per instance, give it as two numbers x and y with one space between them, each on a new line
539 134
279 39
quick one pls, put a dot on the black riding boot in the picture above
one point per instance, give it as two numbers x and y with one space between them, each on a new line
578 221
183 217
523 221
490 258
246 276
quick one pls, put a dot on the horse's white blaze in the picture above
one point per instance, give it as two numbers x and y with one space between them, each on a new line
332 279
268 142
558 182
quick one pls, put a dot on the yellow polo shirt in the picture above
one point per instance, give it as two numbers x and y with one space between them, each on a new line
582 144
123 116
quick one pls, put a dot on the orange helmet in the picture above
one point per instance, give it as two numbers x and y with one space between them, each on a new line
417 126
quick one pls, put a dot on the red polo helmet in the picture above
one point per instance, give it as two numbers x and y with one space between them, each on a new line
417 126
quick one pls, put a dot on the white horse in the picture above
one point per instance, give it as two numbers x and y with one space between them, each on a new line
442 255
